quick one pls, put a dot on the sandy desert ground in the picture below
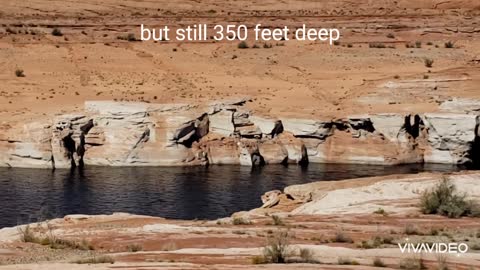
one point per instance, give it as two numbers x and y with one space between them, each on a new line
91 61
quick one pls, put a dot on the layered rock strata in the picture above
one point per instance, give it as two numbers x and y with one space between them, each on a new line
141 134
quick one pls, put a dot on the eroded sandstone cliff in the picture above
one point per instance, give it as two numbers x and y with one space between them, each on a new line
141 134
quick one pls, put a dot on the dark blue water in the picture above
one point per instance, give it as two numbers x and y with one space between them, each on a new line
29 195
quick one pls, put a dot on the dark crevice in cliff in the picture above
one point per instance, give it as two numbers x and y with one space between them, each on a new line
277 129
257 159
414 128
86 128
192 131
474 153
366 125
304 160
70 148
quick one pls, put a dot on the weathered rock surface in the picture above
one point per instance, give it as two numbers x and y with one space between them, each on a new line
142 134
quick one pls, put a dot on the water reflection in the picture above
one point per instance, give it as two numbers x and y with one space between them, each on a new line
29 195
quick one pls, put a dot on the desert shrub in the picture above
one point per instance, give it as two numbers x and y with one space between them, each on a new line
444 200
277 249
27 235
255 46
277 221
340 237
377 262
57 243
57 32
411 229
390 35
409 45
425 77
128 37
412 264
429 43
169 246
347 261
19 72
475 246
267 46
349 45
376 242
336 42
10 30
242 45
134 248
377 45
428 62
418 44
241 221
96 260
380 211
259 260
306 255
449 44
131 37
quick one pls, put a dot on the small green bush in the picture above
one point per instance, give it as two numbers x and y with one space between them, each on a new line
96 260
377 262
134 248
444 200
347 261
412 264
57 32
411 229
19 73
277 249
340 237
449 44
277 221
428 62
267 46
377 45
259 260
241 221
306 255
242 45
381 211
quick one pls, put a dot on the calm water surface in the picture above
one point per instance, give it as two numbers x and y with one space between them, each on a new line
28 195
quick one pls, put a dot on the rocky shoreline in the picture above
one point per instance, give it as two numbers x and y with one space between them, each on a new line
112 133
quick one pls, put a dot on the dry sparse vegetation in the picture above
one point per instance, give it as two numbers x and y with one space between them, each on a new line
428 62
347 261
241 221
277 249
134 247
243 45
19 73
57 32
449 45
277 221
444 200
413 263
377 262
96 260
341 237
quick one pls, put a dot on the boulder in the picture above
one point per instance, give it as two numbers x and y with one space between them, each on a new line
222 123
271 198
273 152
